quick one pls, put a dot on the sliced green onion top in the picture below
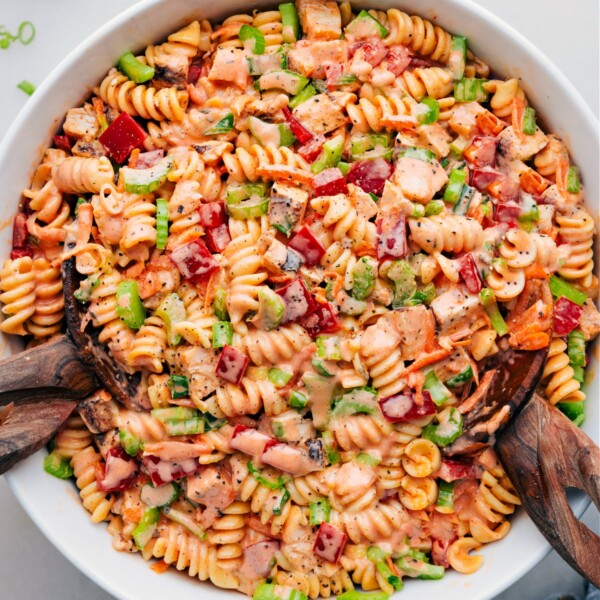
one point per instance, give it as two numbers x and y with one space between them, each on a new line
573 181
26 86
559 287
162 223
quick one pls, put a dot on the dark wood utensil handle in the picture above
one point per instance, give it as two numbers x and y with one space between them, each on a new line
54 364
29 426
543 454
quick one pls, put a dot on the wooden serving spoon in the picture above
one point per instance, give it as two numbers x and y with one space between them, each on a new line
540 449
41 387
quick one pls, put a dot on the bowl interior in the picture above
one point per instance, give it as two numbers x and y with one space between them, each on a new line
54 504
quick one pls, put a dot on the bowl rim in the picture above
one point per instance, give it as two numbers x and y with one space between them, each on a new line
119 20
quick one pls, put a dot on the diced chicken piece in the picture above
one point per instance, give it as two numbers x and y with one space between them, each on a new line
171 70
366 207
510 147
379 338
464 119
199 364
93 149
392 199
290 459
323 113
416 327
258 560
552 196
287 205
174 451
275 256
351 477
435 138
310 58
457 362
419 180
81 123
589 322
249 441
230 64
212 488
99 412
320 20
290 426
452 306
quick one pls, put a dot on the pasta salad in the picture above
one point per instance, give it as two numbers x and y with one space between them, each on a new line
304 233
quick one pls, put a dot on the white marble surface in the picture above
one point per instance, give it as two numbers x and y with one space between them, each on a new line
568 32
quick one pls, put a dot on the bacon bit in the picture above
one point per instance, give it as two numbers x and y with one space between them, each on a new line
427 359
159 567
518 109
532 182
133 158
535 272
285 173
489 123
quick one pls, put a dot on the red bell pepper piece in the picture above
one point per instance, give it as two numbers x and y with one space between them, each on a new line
145 160
165 471
324 319
451 470
391 236
232 365
302 134
329 182
306 244
370 175
312 149
470 273
217 238
62 143
481 178
329 543
297 299
398 59
194 261
402 407
566 316
213 214
482 151
121 137
118 473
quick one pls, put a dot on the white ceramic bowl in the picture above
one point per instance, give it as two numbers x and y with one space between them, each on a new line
54 504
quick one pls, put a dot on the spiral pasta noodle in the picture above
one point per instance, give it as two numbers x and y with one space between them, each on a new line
141 101
17 284
76 175
577 230
557 378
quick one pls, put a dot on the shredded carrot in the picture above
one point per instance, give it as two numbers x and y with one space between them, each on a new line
210 289
159 567
338 282
135 270
531 341
280 278
532 182
133 158
365 249
518 109
489 123
535 272
495 189
285 173
427 359
132 513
